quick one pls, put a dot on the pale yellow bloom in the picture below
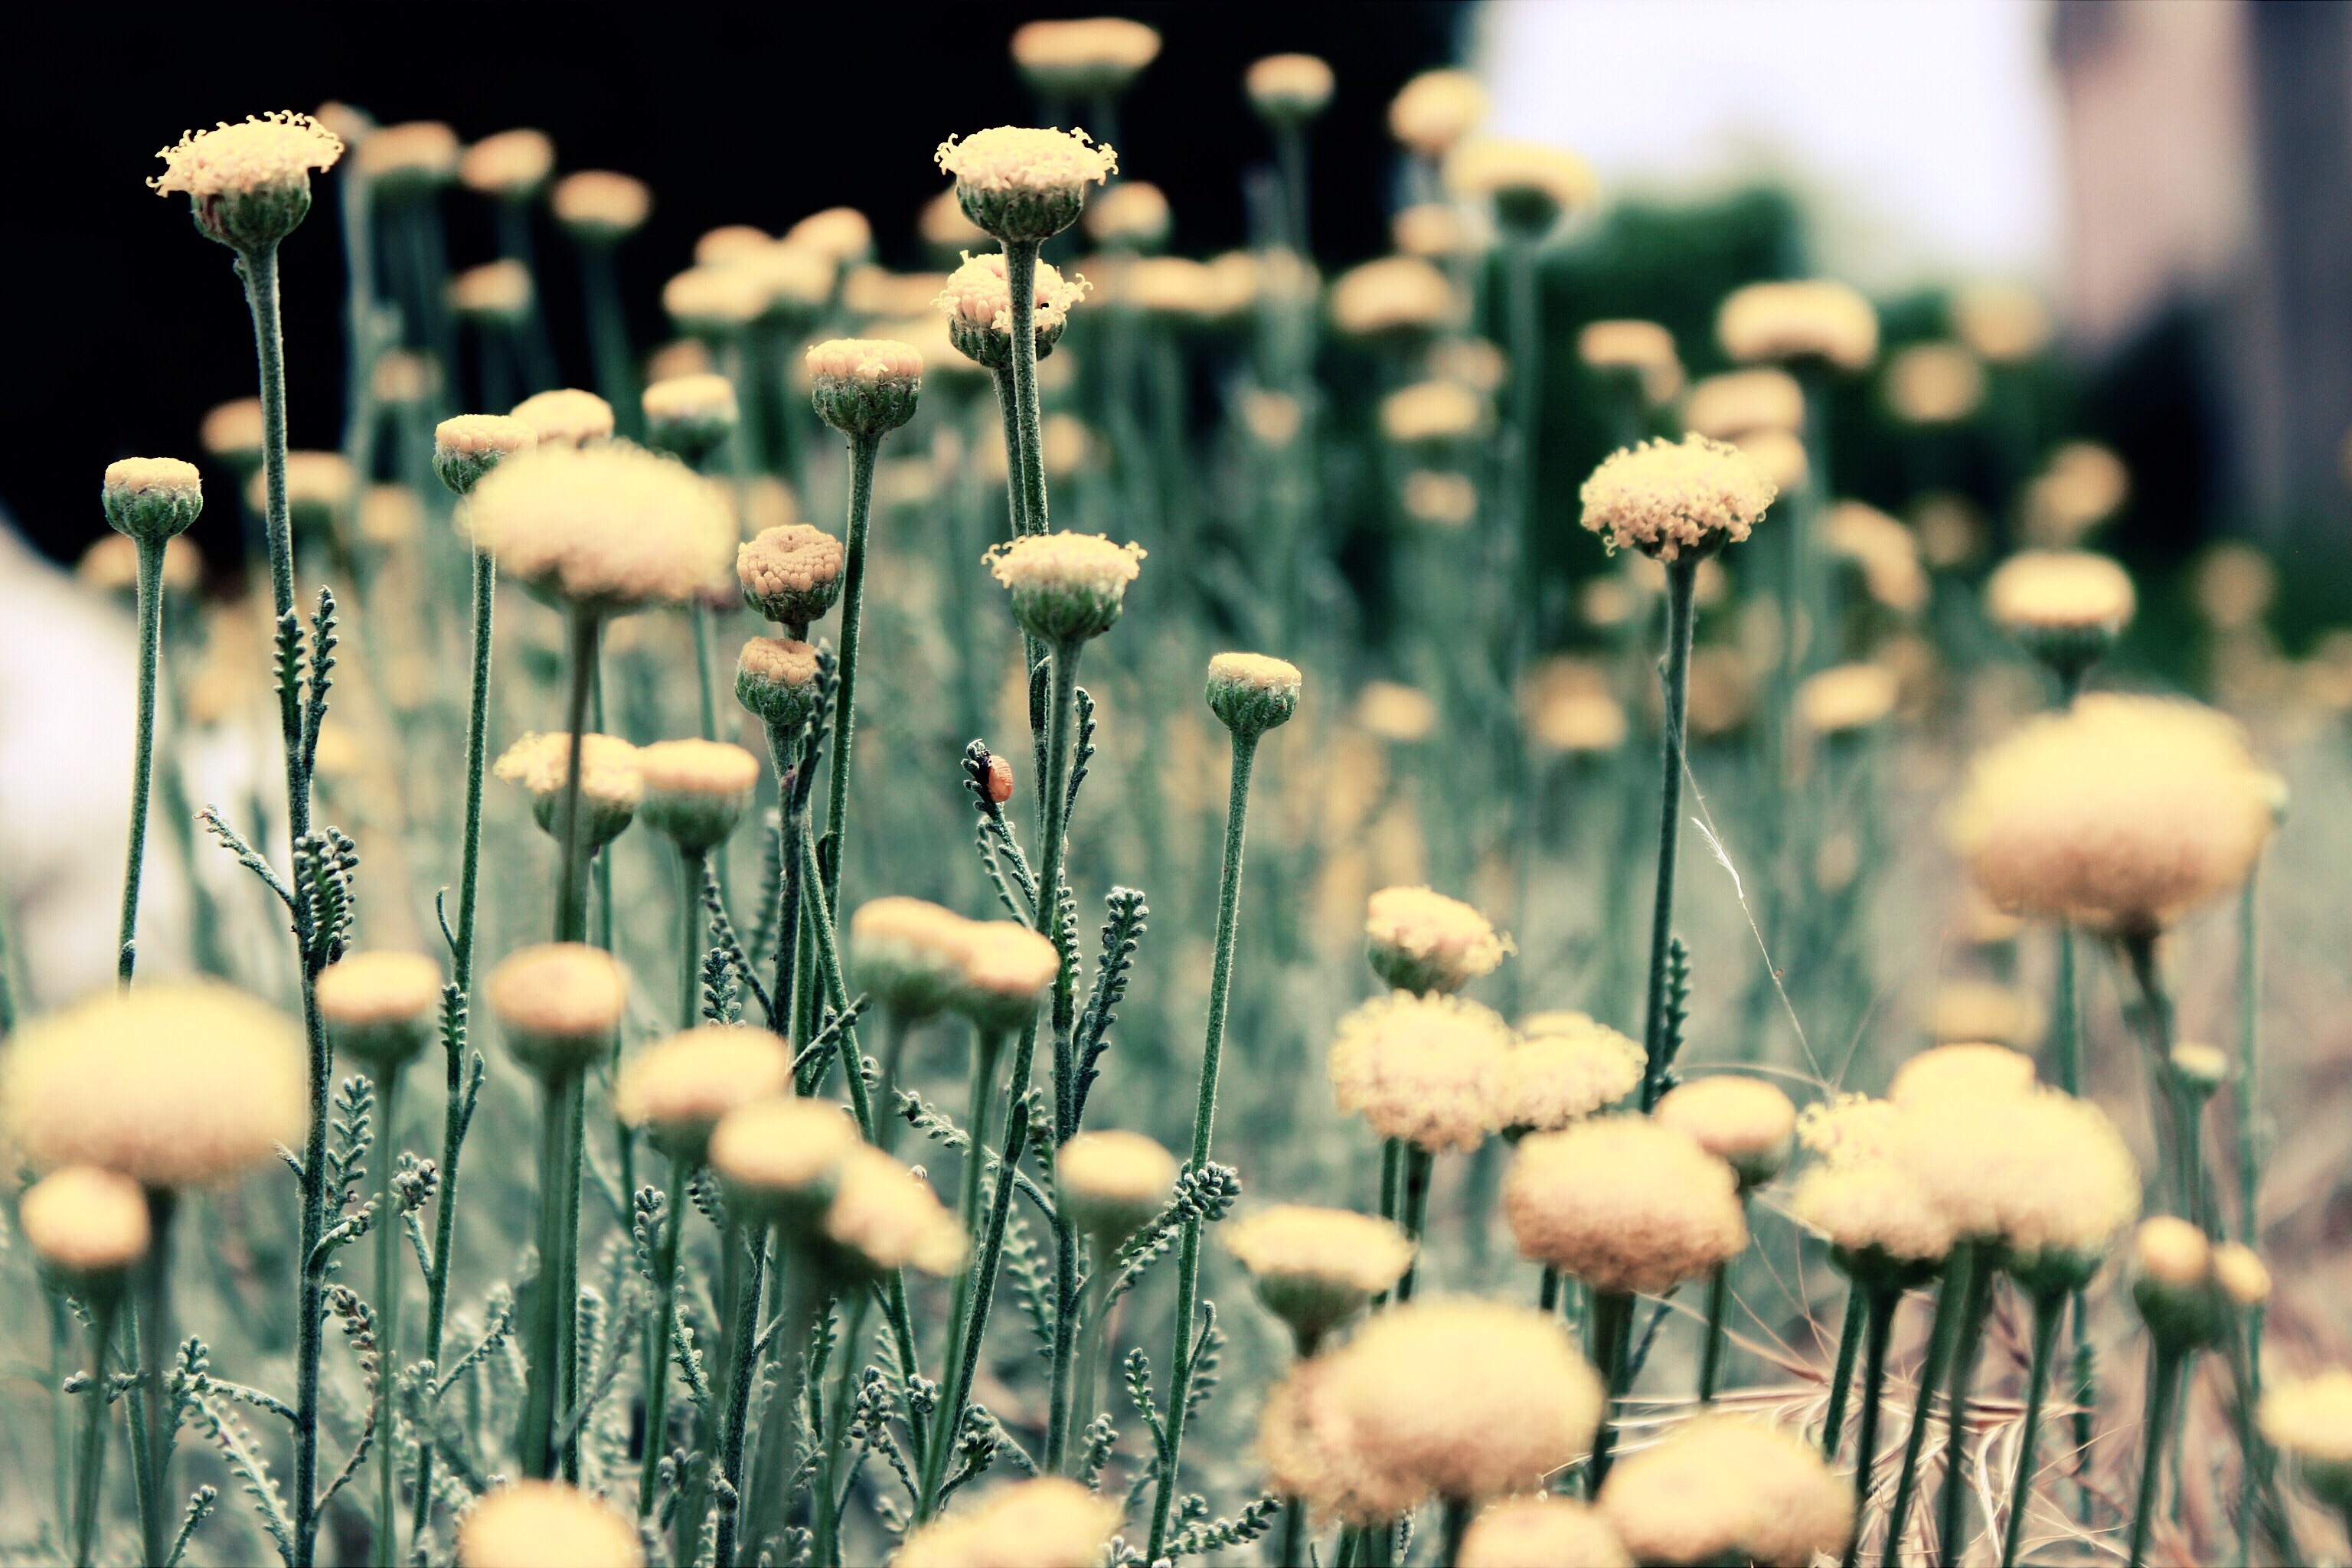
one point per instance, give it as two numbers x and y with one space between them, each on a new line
530 1525
1624 1202
1424 1069
1664 498
1812 318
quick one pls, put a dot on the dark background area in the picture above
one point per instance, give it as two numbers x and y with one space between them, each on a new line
126 324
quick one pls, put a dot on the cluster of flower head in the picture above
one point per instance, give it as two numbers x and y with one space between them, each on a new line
1669 497
1020 157
680 1087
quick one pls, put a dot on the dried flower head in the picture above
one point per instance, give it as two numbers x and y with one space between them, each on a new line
89 1224
1251 693
2067 606
1934 383
469 446
1316 1267
381 1008
174 1083
1435 109
566 417
600 207
693 791
1401 299
1024 184
1087 56
248 183
511 165
1667 497
2121 813
1624 1202
1113 1182
885 1218
606 528
1065 587
678 1088
1047 1522
690 416
1419 940
1004 969
1457 1398
1722 1488
2044 1172
1809 319
978 304
2005 323
151 499
783 1157
1541 1533
776 678
791 574
865 387
1565 1068
1425 1069
529 1525
560 1005
1288 90
1531 186
1747 1122
610 784
1846 697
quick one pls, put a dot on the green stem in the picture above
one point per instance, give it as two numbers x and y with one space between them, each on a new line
1029 470
704 689
2049 1311
1291 1548
1959 1271
1008 405
572 865
143 756
658 1334
1094 1341
387 1310
156 1345
835 1434
1710 1359
543 1351
1456 1525
1879 1306
2250 1066
690 865
862 452
1613 1333
1953 1501
780 1425
1204 1117
1414 1218
89 1467
2174 1123
742 1338
2067 1047
608 337
1841 1379
1526 401
987 1048
2165 1366
1682 578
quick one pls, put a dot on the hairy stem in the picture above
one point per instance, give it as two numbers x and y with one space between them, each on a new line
388 1242
156 1345
2049 1311
90 1465
2165 1366
780 1425
1953 1501
1879 1306
1414 1213
660 1332
742 1337
543 1380
862 452
1959 1271
142 754
1682 578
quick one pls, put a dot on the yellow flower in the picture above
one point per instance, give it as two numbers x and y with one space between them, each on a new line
887 1218
1435 109
1114 1183
1745 1122
1288 87
680 1087
1872 1206
695 791
1021 183
1542 1533
1934 383
600 207
1720 1487
1421 941
380 1007
1531 186
1424 1069
87 1223
1315 1268
2003 322
1666 497
1845 698
1645 348
560 1002
1565 1068
1065 587
1807 319
2043 591
1624 1202
529 1524
609 529
1048 1523
510 163
1085 57
565 416
1396 296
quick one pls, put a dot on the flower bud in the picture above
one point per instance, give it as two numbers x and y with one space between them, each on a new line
1531 186
791 574
610 784
2199 1070
2241 1275
381 1008
559 1003
865 387
2174 1287
1316 1267
1112 1183
695 791
87 1226
509 165
978 303
1251 693
1084 58
782 1158
151 499
884 1217
249 186
2310 1422
1288 90
775 678
470 445
1745 1122
600 207
1065 587
566 417
908 955
691 415
1419 941
1024 183
1005 970
679 1089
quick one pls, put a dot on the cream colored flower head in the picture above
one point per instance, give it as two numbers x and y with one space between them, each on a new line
1977 1010
1022 183
1967 1067
2041 591
680 1087
1809 319
1725 1488
978 305
887 1217
1316 1267
566 417
1541 1533
1852 1128
1424 1068
559 1003
909 954
1531 186
599 205
1395 296
1872 1209
2310 1419
1085 57
1395 712
1065 587
1934 383
865 387
1846 697
380 1007
1624 1202
1437 499
2121 813
1883 550
231 431
417 155
467 445
2083 486
2004 323
1668 497
510 163
1747 1122
1452 1398
606 528
1288 89
1435 109
1046 1522
1433 231
1565 1068
2045 1174
1003 970
85 1222
840 234
529 1524
1133 213
610 784
1740 403
1421 941
791 574
1432 414
715 300
1251 693
783 1155
1644 348
496 290
173 1083
1113 1182
248 183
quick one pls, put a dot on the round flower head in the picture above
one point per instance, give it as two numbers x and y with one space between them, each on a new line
469 446
691 415
978 304
1435 109
1419 940
566 417
606 528
86 1225
2044 1172
1881 1226
1396 713
2173 1285
1317 1268
1810 319
1169 286
1091 57
1251 693
796 283
381 1008
1425 1069
529 1524
1966 1067
1667 497
1721 1488
1433 231
1023 183
249 183
1541 1533
865 387
782 1157
1133 213
1574 718
1288 90
509 165
2241 1274
1440 500
776 678
1114 1183
1004 969
171 1083
1065 587
2066 607
695 792
1934 383
1458 1398
1401 300
409 159
1564 1069
1846 697
1047 1522
714 301
678 1088
884 1217
559 1003
1745 1122
1976 1011
1740 402
1624 1202
1644 348
2310 1421
151 499
1531 186
599 206
791 574
2003 322
2121 813
840 235
908 955
232 432
610 784
1884 551
1432 415
2083 485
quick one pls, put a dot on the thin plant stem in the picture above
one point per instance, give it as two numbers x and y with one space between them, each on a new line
1959 1271
1711 1361
90 1465
1682 578
142 755
742 1337
1879 1306
572 865
388 1241
2175 1121
2049 1311
780 1425
1290 1549
1953 1501
1094 1340
543 1349
1612 1332
155 1342
1029 452
1008 405
691 866
2250 1065
1414 1218
987 1048
1204 1116
660 1332
862 450
1062 677
1454 1526
1548 1292
833 1439
1842 1378
2165 1366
